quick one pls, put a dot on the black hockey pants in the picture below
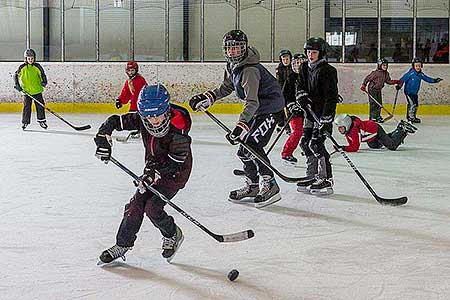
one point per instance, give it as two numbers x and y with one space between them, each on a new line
374 108
261 129
153 207
389 140
26 113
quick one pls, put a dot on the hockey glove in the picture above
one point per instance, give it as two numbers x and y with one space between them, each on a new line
362 88
147 178
326 119
18 87
294 108
398 87
302 98
104 147
438 80
118 103
238 134
204 100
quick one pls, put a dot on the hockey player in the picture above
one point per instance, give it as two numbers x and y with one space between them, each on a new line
376 80
263 108
131 89
30 77
164 128
412 80
357 131
317 88
296 123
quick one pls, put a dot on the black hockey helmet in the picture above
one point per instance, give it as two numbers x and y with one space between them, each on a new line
29 53
284 52
316 43
416 60
382 61
232 39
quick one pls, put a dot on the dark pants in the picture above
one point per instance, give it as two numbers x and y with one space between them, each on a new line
389 140
374 108
261 129
40 110
153 207
412 106
313 145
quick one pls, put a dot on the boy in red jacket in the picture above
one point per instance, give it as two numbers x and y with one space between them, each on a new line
131 89
357 131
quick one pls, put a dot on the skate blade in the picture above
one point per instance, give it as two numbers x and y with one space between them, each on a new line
272 200
323 192
243 200
169 259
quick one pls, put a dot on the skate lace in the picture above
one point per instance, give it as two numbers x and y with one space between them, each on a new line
168 243
118 251
266 185
245 189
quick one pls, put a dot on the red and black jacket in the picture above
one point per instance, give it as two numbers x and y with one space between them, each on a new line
360 131
171 154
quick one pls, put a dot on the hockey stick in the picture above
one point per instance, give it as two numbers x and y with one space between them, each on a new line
78 128
249 149
280 133
395 101
384 201
390 116
124 139
227 238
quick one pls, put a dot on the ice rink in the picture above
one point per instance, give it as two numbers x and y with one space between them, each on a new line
61 207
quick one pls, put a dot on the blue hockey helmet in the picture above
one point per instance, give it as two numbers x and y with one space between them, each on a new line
153 108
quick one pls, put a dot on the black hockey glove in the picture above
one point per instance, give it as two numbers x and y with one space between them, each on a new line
398 87
204 100
436 80
104 147
294 108
18 87
302 99
326 119
118 103
238 134
147 178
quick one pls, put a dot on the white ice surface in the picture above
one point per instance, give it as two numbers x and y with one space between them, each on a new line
61 207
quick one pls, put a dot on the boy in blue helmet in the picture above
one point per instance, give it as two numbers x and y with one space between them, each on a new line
263 109
164 129
412 80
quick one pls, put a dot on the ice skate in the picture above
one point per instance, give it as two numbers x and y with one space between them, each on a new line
414 120
289 160
269 192
303 184
24 125
171 245
43 124
408 128
247 193
113 253
321 187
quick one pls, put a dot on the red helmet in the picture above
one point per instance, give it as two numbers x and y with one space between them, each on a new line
132 65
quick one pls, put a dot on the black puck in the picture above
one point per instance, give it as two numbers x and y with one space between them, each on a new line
233 275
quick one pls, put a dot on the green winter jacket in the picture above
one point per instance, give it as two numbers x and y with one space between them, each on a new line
32 77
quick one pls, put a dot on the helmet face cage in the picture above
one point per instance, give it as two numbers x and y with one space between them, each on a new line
161 129
382 62
233 44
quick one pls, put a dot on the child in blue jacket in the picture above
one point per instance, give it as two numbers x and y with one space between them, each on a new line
412 80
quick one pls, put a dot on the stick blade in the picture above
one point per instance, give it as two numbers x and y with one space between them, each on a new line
235 237
80 128
392 202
